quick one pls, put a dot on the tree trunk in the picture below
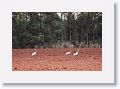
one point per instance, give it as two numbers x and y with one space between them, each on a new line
61 28
87 39
93 38
88 29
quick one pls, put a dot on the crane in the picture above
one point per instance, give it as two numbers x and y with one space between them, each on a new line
67 53
34 53
76 53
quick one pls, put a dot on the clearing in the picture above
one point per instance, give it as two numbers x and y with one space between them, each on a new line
54 59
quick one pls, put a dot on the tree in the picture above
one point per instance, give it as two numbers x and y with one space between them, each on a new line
50 29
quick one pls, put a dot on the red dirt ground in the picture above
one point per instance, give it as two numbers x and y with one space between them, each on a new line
88 59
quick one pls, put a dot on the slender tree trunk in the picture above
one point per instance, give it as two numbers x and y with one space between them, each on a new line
93 38
61 27
26 21
93 28
81 31
70 34
87 39
88 29
43 40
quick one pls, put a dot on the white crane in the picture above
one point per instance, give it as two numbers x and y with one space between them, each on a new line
67 53
34 53
76 53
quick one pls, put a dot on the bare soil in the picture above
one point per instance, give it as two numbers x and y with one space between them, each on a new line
54 59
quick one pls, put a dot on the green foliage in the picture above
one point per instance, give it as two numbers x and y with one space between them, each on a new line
52 29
